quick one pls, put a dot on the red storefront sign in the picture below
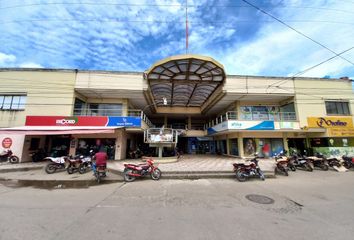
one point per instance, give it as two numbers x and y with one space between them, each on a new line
6 142
66 121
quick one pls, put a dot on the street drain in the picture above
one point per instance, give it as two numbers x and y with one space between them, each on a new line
261 199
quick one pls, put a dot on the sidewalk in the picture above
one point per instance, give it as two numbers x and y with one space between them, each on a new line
198 166
187 167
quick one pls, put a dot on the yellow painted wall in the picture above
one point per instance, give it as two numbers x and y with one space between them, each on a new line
312 93
48 93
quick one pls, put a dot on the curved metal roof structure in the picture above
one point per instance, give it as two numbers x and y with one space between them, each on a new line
184 80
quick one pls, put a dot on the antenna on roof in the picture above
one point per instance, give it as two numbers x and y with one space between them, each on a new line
186 26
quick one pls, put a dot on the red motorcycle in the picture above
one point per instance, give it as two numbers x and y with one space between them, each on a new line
132 171
244 171
8 156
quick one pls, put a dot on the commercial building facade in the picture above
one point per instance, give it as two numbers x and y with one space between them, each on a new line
186 101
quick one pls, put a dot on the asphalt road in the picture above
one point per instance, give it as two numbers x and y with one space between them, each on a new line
316 205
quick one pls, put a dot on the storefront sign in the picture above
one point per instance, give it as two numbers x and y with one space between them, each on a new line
7 142
341 132
242 125
330 122
124 121
83 121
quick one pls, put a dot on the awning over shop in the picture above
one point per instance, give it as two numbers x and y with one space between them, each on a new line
56 130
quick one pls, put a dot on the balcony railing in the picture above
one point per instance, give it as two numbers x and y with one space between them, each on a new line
252 116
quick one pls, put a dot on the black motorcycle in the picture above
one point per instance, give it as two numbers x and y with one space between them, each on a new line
348 162
38 155
244 171
99 171
319 161
301 162
8 156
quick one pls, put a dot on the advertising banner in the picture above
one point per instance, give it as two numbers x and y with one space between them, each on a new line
341 132
83 121
241 125
330 122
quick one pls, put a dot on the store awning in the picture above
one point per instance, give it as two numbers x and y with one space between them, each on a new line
56 130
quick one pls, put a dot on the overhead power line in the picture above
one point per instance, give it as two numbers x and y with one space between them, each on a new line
281 82
297 31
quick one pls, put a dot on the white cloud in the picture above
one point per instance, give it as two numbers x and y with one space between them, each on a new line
278 50
122 37
6 59
31 65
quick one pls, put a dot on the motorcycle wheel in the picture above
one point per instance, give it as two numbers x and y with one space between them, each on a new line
50 168
308 167
261 175
324 167
14 159
70 170
82 169
98 177
347 165
156 174
293 168
285 172
240 177
127 177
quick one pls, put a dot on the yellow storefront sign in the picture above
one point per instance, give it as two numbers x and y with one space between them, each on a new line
341 132
330 122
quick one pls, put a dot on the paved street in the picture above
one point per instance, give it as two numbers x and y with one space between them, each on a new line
316 205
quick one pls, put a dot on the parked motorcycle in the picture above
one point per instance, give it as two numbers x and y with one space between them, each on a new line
301 162
348 162
74 164
38 155
85 165
8 156
56 163
319 161
282 163
99 171
244 171
132 171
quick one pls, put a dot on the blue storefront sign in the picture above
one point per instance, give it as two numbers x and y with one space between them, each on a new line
124 121
241 125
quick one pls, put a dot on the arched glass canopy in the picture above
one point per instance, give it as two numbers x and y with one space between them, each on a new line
184 80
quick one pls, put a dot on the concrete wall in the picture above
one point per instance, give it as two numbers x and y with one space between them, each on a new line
48 93
17 144
258 85
110 80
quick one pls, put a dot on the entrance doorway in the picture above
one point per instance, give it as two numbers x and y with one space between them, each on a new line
298 144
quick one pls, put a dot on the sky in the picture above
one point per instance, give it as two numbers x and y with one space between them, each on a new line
263 38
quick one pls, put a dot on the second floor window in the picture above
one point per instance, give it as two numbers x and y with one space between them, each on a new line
105 109
337 108
12 102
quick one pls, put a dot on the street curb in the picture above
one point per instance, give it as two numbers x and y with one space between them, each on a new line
21 169
52 184
197 174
